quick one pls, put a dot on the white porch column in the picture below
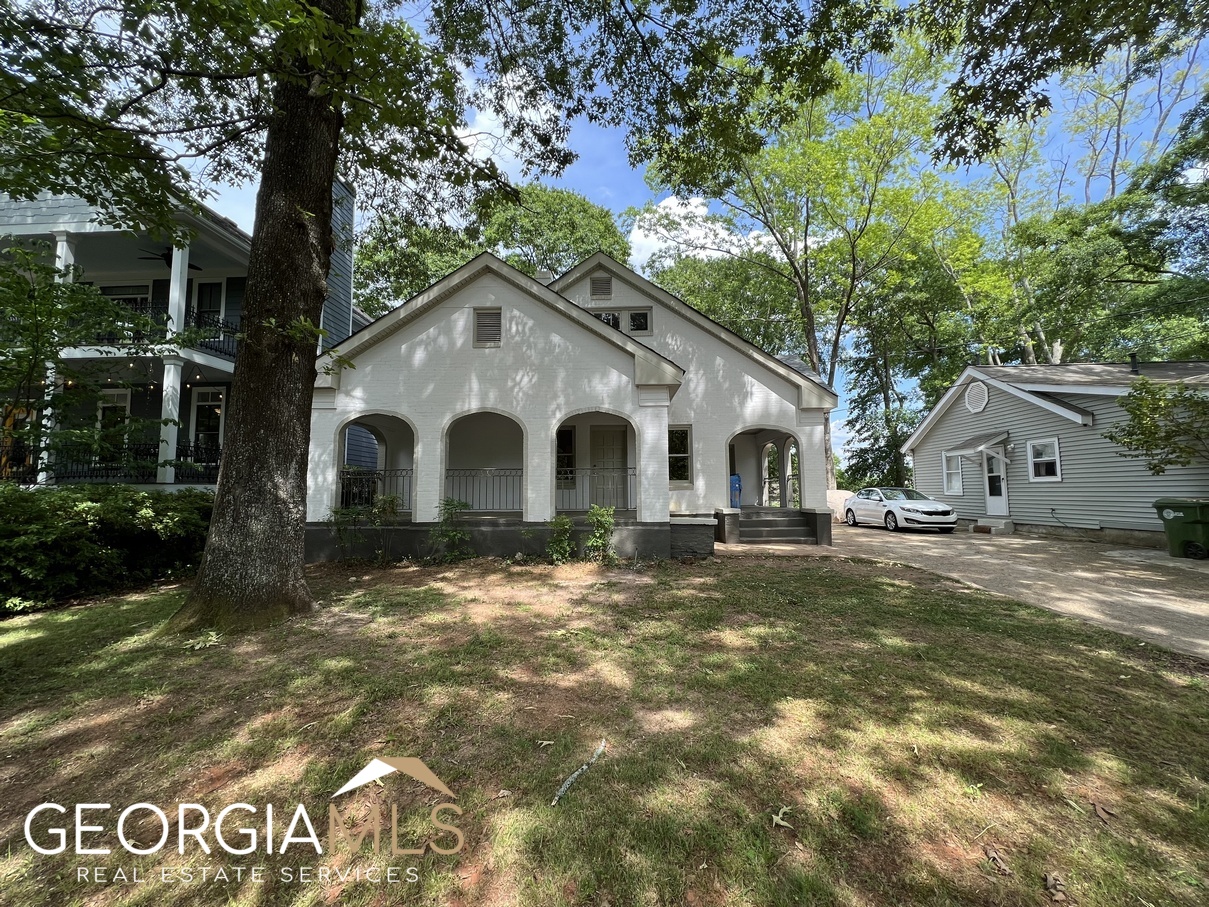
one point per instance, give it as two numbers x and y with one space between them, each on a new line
651 419
170 412
812 459
65 255
539 472
177 290
428 477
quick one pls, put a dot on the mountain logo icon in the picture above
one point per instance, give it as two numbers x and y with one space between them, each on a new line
380 768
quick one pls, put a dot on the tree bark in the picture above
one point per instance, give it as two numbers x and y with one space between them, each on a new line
251 574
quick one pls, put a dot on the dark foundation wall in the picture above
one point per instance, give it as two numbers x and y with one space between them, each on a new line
497 538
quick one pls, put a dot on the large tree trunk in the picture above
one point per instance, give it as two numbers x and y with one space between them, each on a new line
252 572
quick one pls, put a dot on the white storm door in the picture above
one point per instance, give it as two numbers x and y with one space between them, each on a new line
995 481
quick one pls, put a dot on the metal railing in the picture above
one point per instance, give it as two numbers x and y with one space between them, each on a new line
152 327
487 489
363 488
136 462
579 489
212 334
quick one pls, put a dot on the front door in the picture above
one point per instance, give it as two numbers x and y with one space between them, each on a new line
609 467
995 470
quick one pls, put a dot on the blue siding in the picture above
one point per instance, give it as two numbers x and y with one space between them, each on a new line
360 448
338 309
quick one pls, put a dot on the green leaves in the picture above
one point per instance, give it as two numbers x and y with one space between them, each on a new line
1168 425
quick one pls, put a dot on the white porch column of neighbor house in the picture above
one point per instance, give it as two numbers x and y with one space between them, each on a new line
654 502
812 460
170 406
65 259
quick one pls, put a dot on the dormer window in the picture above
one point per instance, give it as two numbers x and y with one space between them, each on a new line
488 327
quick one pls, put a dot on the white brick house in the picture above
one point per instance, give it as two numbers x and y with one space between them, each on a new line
526 400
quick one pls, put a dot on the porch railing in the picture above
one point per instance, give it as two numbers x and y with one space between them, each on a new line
579 489
488 488
366 487
136 462
212 334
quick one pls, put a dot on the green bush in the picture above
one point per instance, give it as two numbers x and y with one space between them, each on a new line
448 537
562 539
71 540
598 546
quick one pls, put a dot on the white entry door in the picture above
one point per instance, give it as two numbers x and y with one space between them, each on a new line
995 473
609 467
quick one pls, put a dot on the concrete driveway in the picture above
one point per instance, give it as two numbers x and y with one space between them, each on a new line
1138 591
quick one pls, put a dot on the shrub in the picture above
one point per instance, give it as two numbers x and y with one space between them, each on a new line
599 544
73 540
449 539
562 539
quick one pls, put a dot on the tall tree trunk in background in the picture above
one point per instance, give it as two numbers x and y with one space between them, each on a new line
252 570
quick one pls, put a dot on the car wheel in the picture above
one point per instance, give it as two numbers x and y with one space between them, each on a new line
850 518
891 522
947 529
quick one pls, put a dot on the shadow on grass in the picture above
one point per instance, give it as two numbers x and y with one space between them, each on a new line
895 721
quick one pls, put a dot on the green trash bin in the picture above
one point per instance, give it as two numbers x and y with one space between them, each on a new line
1187 523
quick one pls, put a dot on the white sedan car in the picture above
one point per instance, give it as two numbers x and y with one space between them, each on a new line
898 508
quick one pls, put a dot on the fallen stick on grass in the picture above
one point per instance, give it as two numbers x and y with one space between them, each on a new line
575 774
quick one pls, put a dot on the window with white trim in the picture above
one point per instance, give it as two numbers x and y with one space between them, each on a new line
612 319
951 469
1044 461
488 327
680 454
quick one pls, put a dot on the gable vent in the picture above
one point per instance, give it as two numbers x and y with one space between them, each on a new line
602 286
488 327
976 397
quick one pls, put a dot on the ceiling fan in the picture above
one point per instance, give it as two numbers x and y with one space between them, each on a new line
165 257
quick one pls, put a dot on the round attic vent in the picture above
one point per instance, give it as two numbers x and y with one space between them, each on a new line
976 397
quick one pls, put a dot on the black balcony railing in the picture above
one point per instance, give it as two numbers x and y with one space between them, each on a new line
212 334
579 489
487 489
150 325
389 490
134 462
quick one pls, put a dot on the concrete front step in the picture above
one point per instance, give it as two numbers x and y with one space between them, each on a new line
775 534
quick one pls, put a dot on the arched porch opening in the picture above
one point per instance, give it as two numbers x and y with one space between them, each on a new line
484 463
377 457
596 462
767 464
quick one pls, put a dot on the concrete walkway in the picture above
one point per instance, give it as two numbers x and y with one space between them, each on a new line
1138 591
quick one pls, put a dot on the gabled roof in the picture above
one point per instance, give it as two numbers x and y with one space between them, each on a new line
650 368
810 384
990 375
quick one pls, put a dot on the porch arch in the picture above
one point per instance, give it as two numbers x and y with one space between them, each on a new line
485 451
596 453
747 456
376 460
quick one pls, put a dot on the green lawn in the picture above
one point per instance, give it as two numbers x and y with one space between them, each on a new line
901 721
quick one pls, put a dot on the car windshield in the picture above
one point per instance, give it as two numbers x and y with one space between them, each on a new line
903 494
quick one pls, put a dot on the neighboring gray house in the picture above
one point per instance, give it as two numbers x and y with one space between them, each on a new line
177 400
1024 445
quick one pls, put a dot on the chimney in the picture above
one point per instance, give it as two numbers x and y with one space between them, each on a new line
1133 364
545 276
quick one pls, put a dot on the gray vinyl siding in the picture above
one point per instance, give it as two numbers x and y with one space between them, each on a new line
360 448
1099 489
46 211
338 308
